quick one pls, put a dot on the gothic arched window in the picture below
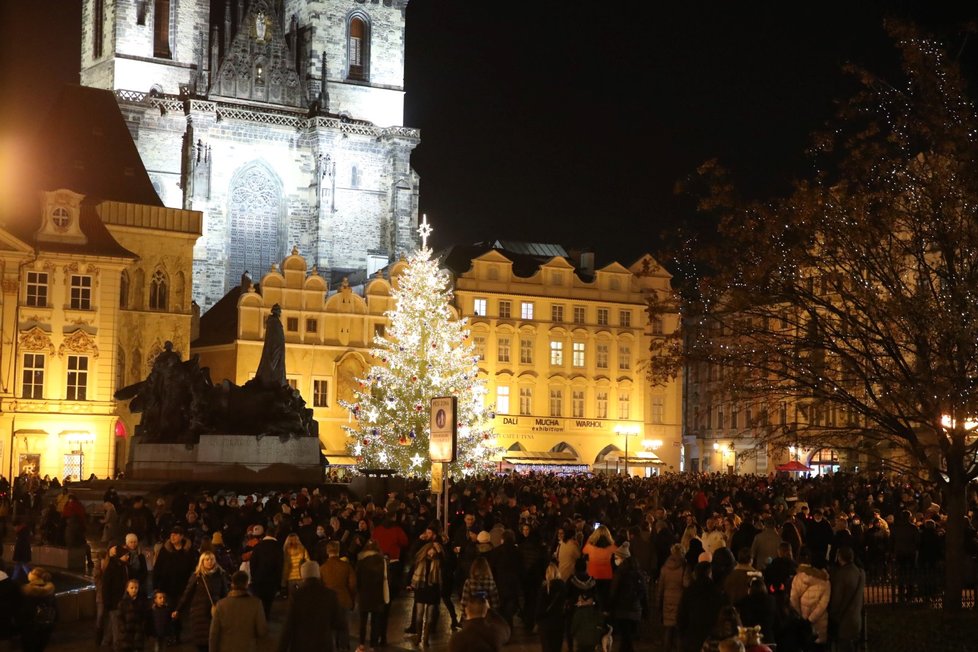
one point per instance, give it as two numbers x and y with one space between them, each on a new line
161 29
256 216
98 28
158 290
358 48
124 290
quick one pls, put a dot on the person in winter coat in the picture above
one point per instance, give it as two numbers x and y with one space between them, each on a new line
113 580
481 581
586 624
372 595
239 619
205 588
810 593
764 548
427 582
846 602
779 572
698 610
10 597
670 591
266 568
110 524
738 581
534 563
481 632
38 611
599 548
131 620
627 597
294 554
759 609
507 571
175 563
338 575
314 618
550 610
24 534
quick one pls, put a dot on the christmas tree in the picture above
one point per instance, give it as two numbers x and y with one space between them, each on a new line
424 353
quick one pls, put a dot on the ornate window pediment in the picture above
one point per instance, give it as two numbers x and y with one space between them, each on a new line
79 341
35 339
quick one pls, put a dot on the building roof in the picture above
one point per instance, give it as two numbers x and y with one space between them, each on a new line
527 257
84 145
219 325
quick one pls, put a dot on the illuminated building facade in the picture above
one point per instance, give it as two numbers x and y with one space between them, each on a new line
563 349
562 345
279 120
95 274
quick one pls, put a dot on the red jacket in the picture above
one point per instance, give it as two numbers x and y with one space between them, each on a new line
390 540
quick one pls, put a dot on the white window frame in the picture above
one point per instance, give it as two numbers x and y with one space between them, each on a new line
502 399
316 393
577 403
526 310
505 309
82 284
479 306
601 405
503 348
526 350
577 355
556 402
37 289
32 385
556 353
526 401
76 378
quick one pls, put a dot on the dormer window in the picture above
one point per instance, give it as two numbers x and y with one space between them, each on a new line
61 218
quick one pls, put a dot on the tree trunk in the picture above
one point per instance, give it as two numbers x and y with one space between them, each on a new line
954 557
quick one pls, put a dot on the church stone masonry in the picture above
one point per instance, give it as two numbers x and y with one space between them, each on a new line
280 120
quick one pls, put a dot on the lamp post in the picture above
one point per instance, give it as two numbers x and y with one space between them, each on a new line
626 430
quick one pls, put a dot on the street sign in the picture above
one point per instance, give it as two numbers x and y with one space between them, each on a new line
437 478
444 429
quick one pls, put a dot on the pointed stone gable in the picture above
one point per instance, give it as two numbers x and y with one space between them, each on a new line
258 66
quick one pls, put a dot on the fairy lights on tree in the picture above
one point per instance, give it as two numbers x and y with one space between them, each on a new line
424 353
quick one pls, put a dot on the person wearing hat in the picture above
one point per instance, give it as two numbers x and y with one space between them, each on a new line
483 543
175 563
627 597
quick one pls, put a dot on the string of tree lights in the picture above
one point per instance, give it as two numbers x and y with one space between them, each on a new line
424 353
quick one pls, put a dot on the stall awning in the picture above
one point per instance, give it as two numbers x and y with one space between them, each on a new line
640 458
339 458
541 457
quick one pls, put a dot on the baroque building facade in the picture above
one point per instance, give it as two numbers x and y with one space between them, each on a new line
562 350
280 120
95 276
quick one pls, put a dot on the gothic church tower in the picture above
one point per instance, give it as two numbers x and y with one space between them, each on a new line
279 119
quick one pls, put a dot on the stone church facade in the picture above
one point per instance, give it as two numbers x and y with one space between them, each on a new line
280 120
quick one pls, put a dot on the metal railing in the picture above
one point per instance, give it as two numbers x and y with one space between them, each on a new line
921 587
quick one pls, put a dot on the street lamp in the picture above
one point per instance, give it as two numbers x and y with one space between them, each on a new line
626 430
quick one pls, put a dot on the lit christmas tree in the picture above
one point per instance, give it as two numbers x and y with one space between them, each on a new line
425 353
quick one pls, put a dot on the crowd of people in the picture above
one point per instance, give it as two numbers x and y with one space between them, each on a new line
719 562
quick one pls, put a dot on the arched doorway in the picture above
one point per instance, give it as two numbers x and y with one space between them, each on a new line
824 461
257 225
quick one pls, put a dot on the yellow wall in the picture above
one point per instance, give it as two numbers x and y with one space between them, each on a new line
53 426
338 350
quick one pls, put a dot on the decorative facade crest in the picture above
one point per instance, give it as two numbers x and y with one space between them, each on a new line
79 341
36 339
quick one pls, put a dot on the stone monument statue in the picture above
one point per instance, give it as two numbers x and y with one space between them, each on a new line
271 367
179 402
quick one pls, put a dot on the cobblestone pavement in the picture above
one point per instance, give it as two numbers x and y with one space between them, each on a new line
80 636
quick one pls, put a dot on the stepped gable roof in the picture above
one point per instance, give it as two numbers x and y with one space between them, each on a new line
219 325
84 145
527 257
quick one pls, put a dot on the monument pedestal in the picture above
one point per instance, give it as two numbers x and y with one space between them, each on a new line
229 458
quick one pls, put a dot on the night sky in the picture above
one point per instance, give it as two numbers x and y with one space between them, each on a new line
572 121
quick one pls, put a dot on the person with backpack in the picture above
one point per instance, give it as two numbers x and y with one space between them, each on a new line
39 611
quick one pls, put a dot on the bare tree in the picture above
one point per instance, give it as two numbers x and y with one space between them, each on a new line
854 299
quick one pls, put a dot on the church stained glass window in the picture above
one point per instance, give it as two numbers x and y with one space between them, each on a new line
256 221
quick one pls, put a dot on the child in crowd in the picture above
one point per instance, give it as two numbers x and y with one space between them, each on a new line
161 623
132 619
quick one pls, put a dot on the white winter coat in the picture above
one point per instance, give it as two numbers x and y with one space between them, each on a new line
810 593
